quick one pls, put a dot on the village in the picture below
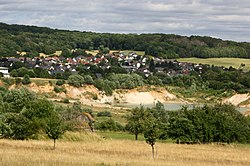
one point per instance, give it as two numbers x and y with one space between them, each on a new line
130 62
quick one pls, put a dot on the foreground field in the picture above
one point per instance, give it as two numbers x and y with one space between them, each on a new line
227 62
118 152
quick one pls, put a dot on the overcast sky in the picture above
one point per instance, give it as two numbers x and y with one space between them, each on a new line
226 19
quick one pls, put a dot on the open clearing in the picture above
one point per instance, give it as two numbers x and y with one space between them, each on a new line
227 62
118 152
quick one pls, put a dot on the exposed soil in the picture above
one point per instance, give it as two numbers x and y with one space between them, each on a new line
237 99
90 95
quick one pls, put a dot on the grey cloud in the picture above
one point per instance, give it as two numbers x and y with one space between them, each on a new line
226 19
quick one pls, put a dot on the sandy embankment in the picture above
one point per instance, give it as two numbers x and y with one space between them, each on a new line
135 97
237 99
86 95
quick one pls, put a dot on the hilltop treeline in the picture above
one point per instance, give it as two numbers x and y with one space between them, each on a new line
34 40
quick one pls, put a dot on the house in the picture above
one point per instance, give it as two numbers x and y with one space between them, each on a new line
5 71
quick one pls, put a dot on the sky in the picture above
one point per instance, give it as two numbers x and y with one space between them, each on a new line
225 19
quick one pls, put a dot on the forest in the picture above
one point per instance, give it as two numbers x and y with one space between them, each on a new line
34 40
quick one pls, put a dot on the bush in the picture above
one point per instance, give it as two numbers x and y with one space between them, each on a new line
76 80
26 79
18 81
17 126
109 125
104 113
88 80
105 85
14 73
95 97
58 89
60 82
8 81
154 80
65 101
126 81
3 90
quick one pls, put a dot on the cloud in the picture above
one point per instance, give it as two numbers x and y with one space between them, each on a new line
225 19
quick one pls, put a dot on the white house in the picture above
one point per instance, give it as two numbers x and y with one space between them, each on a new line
5 71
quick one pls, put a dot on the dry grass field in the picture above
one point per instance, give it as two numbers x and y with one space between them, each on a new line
118 152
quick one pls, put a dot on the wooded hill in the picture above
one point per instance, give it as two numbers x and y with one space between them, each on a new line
34 40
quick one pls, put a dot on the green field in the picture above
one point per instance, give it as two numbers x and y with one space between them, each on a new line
226 62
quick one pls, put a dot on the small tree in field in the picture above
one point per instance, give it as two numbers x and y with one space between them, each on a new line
151 132
54 128
135 121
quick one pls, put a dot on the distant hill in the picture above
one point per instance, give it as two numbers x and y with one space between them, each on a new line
34 40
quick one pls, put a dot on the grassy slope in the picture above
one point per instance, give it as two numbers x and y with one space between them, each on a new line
227 62
118 152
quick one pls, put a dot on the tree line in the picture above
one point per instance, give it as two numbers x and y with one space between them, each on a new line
220 123
34 40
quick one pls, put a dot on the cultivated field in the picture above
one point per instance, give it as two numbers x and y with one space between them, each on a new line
118 152
227 62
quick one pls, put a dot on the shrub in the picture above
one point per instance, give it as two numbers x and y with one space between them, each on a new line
58 89
109 125
104 113
50 83
95 97
76 80
65 100
2 90
60 82
18 80
8 81
88 80
126 81
26 79
105 85
14 73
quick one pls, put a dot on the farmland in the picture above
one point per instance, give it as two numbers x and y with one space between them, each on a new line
226 62
118 152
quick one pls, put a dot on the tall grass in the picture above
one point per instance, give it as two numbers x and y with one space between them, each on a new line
117 152
81 136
